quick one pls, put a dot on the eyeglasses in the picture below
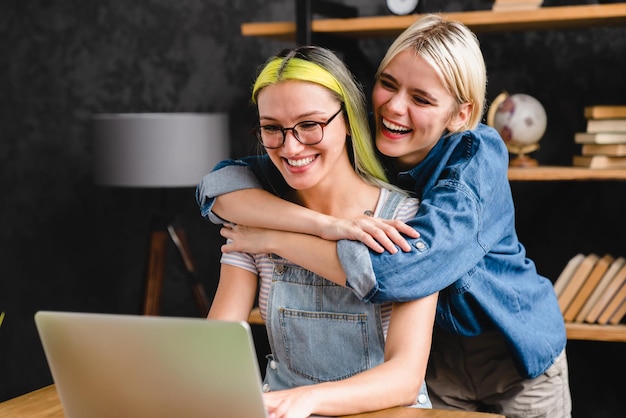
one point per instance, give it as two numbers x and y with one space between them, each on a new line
306 132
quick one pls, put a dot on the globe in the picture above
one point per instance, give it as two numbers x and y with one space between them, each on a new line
521 121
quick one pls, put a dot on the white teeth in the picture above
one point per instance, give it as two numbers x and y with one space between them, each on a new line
300 163
393 127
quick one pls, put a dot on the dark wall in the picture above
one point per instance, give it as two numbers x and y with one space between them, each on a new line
67 244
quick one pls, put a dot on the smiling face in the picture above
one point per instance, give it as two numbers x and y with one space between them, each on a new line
413 109
305 166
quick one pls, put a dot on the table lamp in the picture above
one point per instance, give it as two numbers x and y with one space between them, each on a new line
160 150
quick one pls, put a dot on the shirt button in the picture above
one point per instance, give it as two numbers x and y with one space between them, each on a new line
420 245
422 399
266 387
273 365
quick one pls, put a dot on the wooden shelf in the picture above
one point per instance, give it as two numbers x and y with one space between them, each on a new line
554 173
255 317
591 332
479 21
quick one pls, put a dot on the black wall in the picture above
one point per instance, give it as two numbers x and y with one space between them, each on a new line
67 244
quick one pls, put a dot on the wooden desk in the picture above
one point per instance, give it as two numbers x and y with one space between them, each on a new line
38 404
44 403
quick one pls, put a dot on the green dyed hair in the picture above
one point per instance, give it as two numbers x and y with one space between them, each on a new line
319 65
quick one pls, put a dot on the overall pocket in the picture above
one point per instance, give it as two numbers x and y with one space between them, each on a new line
325 346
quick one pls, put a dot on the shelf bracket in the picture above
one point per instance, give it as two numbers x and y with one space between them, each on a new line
352 55
305 9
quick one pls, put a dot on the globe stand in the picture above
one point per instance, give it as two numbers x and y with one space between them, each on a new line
520 136
522 159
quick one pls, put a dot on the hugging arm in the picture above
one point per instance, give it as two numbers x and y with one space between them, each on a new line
449 247
302 249
238 191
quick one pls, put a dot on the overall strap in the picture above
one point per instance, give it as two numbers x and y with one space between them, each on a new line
391 203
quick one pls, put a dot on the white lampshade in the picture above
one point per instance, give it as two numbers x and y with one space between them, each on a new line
158 149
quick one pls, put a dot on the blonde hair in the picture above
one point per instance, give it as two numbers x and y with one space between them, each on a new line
454 52
321 66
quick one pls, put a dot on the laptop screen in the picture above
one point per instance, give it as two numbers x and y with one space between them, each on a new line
107 365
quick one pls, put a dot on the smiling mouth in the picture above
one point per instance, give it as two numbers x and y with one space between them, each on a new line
396 129
300 162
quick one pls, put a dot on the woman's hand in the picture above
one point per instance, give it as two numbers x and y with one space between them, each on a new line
378 234
292 403
247 239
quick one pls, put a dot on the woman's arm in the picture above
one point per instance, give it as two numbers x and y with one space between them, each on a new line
234 193
235 294
301 249
396 382
258 208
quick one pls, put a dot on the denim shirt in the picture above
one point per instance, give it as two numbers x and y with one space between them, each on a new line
468 248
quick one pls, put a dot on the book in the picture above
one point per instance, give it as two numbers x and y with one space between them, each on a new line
600 137
619 314
606 125
505 2
575 283
567 273
518 1
599 161
613 150
607 295
605 111
613 305
590 283
516 4
600 288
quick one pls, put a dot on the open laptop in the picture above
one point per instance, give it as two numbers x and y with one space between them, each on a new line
107 365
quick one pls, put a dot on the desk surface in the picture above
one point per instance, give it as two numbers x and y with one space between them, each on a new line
45 403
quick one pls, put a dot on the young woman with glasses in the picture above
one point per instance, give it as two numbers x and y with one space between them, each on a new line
499 340
331 353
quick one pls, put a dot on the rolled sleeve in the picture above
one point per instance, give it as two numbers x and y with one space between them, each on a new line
357 263
224 180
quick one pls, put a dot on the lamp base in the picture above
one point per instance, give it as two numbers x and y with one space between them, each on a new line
155 271
159 239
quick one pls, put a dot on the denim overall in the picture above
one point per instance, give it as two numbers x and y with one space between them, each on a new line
319 331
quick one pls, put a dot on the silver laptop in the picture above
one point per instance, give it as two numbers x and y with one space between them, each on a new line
107 365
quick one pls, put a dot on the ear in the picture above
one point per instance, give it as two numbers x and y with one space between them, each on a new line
459 119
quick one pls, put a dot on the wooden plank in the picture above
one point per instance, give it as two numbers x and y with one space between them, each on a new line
590 332
558 17
555 173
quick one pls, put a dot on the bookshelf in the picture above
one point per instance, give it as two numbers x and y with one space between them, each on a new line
543 18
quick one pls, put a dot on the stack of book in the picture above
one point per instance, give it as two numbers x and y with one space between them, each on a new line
604 142
514 5
592 289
